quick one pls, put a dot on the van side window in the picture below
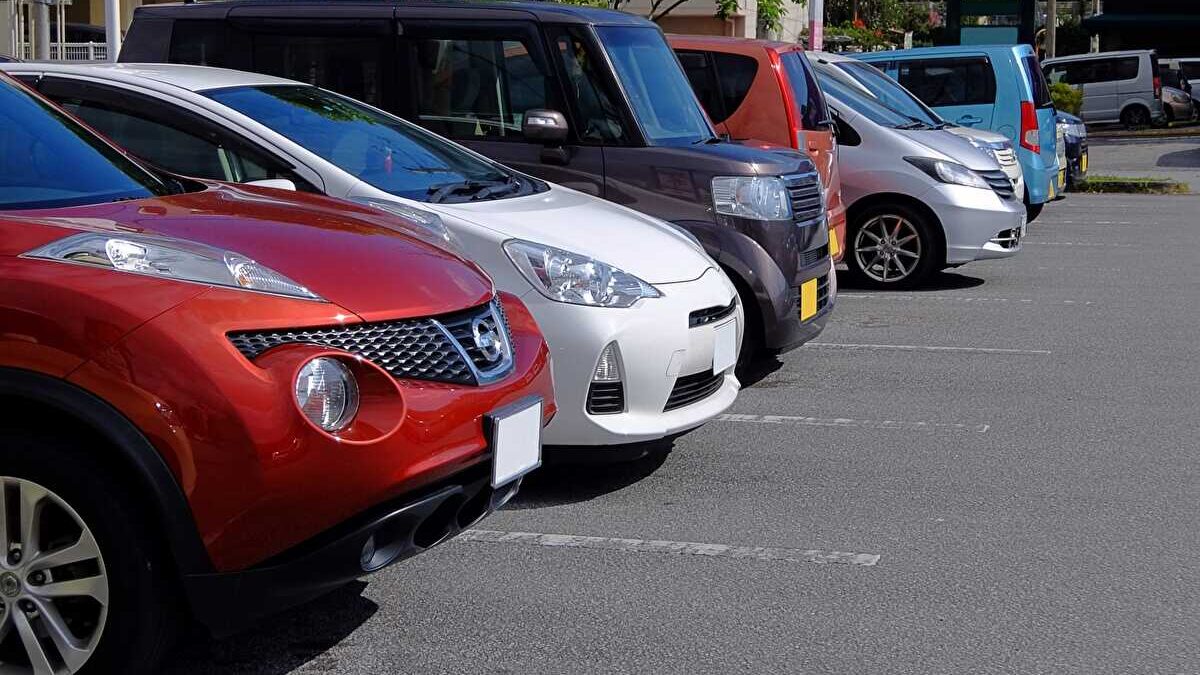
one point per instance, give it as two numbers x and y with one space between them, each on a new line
597 119
946 82
349 65
198 43
476 89
698 68
1126 68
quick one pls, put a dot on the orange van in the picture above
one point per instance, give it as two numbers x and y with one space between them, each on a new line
758 90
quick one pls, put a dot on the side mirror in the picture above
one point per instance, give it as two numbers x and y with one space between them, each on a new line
276 183
545 126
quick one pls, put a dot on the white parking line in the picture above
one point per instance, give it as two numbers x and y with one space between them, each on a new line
671 547
956 298
927 348
849 423
1076 243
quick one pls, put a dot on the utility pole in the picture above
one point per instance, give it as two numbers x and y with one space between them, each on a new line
41 26
1051 26
1094 47
816 25
112 27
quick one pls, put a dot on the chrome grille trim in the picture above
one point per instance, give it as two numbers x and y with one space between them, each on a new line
1000 183
807 195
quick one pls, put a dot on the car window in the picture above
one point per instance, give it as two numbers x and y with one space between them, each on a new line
864 104
598 117
380 149
1126 68
887 90
1037 82
735 75
477 89
351 65
1191 69
805 91
953 81
658 91
200 43
50 161
698 68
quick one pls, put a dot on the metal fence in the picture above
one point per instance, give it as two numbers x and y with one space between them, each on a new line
73 51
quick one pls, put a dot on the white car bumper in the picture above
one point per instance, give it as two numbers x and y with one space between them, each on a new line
657 347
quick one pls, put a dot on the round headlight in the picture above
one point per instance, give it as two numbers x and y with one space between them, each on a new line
327 393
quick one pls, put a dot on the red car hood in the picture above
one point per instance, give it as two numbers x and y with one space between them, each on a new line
373 264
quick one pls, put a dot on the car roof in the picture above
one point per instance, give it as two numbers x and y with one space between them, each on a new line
735 42
191 78
541 11
831 57
1098 55
1021 49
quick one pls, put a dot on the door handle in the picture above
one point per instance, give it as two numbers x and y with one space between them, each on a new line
969 120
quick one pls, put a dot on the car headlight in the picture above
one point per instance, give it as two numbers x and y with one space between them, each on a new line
576 279
1079 130
948 172
428 220
1180 98
170 258
756 197
985 148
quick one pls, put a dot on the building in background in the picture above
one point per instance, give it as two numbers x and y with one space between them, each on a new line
1170 26
26 23
698 17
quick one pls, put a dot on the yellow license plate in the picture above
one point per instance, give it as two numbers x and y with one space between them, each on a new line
1052 190
808 299
1083 163
1062 179
834 249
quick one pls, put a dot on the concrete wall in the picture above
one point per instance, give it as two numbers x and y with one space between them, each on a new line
698 17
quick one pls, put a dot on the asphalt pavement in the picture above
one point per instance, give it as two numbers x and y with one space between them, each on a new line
1177 158
997 473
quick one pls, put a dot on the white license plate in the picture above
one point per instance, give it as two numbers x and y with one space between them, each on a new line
516 440
724 347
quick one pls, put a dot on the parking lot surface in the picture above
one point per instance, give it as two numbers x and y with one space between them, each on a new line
993 474
1175 158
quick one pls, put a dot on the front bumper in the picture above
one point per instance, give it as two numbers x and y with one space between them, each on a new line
382 536
978 224
656 347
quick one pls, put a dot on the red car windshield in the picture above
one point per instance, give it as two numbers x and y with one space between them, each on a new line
49 161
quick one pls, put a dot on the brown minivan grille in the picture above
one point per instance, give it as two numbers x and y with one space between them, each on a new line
805 191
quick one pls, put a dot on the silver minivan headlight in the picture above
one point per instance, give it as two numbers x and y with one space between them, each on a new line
949 172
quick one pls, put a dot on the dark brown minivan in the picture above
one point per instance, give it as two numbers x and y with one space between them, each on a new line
591 99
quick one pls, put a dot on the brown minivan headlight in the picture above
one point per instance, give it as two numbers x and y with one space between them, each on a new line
754 197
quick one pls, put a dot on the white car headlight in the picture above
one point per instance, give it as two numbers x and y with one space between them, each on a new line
426 219
948 172
756 197
171 259
576 279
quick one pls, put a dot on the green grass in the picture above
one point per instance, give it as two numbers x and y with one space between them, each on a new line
1132 185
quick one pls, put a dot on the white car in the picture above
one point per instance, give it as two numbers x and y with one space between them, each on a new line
644 327
891 93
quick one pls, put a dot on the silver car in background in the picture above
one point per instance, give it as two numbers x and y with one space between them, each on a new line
893 94
919 199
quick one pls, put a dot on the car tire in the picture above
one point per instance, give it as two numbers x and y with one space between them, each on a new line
1168 115
113 593
891 246
1135 117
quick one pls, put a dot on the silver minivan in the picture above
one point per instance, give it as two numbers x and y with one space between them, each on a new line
919 199
1117 86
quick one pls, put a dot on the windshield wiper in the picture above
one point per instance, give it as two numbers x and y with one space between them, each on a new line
473 189
711 140
914 125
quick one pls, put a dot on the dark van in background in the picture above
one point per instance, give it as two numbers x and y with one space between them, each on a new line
591 99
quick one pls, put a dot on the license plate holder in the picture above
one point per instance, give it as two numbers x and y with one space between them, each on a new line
516 437
725 351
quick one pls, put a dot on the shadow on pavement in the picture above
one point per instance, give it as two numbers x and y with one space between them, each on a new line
297 638
938 281
1180 159
570 483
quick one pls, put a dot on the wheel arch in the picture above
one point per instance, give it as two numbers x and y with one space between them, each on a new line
38 401
855 211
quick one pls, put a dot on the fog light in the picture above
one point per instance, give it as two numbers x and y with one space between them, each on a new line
608 368
327 393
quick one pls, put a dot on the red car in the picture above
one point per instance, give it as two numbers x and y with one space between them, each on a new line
220 403
759 90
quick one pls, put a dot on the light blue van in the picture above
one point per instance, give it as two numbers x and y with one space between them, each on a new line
996 87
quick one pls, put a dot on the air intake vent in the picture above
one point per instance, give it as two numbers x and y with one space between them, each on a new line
606 398
691 389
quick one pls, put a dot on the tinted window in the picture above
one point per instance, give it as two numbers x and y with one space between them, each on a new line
735 74
888 91
1126 68
945 82
597 116
380 149
200 43
649 73
477 88
698 68
48 161
813 113
1192 70
865 104
1037 82
350 65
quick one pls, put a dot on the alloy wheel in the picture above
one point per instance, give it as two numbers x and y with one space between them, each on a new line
53 585
887 248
